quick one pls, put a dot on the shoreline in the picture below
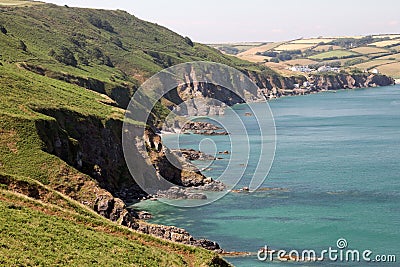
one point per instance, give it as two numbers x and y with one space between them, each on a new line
162 133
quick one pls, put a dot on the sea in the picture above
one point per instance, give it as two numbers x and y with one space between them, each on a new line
334 183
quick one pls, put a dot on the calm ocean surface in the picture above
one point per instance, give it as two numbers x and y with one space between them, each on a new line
337 167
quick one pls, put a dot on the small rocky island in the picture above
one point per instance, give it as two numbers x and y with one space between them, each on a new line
203 128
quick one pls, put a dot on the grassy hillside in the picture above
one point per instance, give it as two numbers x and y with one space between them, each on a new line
34 233
363 53
50 56
111 46
56 230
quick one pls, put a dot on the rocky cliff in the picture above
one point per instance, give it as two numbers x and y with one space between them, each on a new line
102 181
347 81
199 97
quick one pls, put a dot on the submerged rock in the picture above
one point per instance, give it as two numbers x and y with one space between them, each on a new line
191 154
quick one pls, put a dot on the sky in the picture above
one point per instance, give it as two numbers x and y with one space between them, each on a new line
221 21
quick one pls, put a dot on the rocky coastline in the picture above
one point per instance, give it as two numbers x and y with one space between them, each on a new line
96 151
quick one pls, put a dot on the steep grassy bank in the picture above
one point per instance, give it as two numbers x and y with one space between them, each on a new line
37 233
61 142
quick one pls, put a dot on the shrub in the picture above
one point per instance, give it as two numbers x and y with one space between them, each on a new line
269 54
101 24
188 41
274 59
3 29
116 41
22 46
65 56
101 58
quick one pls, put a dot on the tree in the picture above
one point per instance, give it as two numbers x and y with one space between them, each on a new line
274 59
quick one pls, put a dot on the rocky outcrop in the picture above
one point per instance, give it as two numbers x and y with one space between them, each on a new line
95 148
202 128
191 154
346 81
176 234
172 166
205 98
115 210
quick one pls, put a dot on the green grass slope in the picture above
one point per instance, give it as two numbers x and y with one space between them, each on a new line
37 234
56 230
112 46
49 57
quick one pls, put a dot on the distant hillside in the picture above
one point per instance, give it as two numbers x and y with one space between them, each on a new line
363 53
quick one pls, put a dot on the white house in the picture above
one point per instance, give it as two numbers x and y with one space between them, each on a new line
375 71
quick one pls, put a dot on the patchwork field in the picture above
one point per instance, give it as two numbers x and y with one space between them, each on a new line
324 48
392 57
392 69
290 46
261 48
301 61
372 64
312 41
391 36
349 52
331 54
367 50
385 43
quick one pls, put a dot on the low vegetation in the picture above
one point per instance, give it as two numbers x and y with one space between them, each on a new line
86 64
39 234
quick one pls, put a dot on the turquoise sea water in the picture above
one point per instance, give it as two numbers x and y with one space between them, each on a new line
338 173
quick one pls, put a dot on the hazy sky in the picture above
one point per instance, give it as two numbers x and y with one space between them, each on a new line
213 21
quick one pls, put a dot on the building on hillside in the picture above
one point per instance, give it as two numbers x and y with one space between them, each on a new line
326 68
375 71
301 69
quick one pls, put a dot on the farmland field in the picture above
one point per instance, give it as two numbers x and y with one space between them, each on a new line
391 57
372 64
300 61
391 36
324 48
369 50
344 60
312 41
331 54
392 69
365 55
385 43
253 57
262 48
286 47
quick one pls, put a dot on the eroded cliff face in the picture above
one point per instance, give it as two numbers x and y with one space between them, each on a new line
94 147
346 81
205 98
96 174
